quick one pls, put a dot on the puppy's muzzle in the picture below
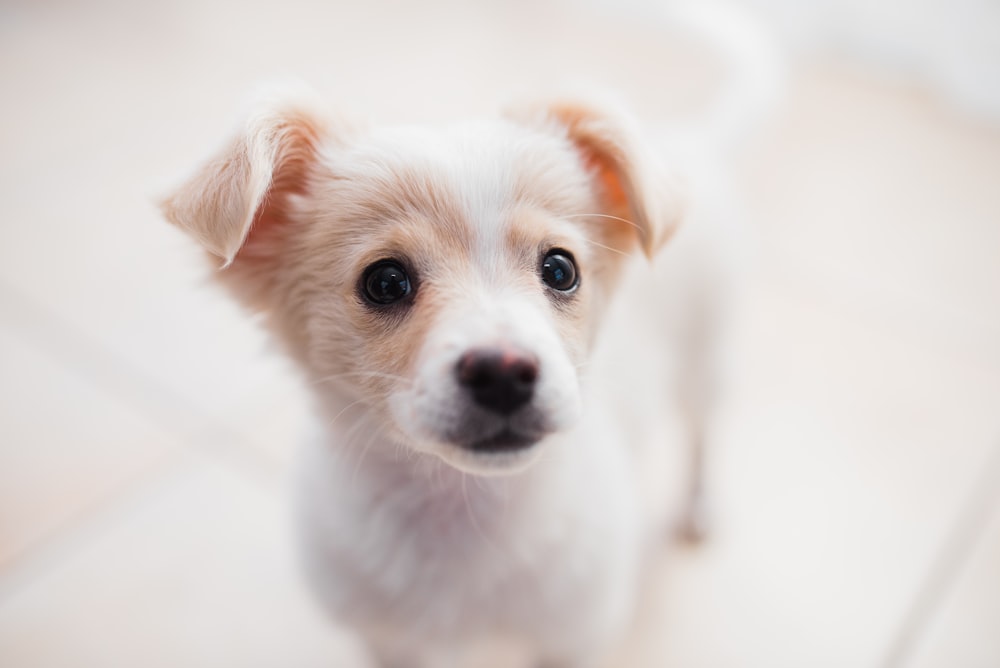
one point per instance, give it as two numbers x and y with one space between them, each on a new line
499 380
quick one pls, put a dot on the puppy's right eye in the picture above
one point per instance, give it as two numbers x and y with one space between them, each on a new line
386 282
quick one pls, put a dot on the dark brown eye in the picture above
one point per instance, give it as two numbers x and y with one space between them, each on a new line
559 271
386 282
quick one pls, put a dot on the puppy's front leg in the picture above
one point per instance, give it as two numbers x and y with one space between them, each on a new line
693 525
697 390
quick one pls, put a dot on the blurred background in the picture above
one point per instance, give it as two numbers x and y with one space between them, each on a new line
147 427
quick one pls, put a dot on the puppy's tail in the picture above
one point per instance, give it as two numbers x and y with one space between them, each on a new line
755 68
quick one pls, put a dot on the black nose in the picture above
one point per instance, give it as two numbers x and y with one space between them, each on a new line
499 379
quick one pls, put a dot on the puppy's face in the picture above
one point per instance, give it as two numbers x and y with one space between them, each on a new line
450 281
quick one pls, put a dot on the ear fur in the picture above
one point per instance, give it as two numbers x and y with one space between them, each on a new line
234 202
631 183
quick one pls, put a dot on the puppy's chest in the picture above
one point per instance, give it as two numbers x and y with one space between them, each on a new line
479 553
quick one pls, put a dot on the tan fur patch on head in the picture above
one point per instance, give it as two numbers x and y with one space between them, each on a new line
632 187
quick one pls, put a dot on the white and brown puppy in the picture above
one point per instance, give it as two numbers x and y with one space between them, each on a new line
477 310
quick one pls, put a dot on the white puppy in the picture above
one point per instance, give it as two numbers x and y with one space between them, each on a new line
495 358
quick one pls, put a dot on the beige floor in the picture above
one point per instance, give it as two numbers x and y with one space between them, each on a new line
146 426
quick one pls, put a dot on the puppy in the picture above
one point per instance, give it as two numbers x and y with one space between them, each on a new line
495 361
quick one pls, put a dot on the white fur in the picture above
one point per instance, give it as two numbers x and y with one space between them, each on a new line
442 556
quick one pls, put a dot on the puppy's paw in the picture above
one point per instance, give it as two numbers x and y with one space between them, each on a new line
693 525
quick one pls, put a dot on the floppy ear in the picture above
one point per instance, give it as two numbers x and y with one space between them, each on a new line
236 204
629 181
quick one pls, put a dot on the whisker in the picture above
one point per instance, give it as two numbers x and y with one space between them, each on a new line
372 437
363 374
607 248
605 215
437 478
472 516
478 480
342 411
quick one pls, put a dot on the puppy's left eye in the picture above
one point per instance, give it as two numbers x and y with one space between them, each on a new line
386 282
559 271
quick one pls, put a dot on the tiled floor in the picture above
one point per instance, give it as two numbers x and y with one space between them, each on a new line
146 427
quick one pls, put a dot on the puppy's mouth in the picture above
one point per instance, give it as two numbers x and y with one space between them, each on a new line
509 449
505 440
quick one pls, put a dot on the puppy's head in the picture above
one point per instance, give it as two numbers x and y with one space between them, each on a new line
449 280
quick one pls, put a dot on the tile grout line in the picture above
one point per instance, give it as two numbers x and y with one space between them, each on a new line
90 359
955 553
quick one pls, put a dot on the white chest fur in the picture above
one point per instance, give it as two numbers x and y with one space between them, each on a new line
414 552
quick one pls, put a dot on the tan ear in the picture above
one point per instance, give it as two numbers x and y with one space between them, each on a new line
630 181
235 202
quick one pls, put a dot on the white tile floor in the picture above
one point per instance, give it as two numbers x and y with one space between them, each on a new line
146 426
